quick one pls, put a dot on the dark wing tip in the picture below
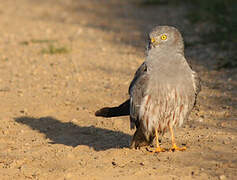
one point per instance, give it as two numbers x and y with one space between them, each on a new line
121 110
104 112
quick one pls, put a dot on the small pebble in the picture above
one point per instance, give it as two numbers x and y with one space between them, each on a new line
23 111
222 177
200 119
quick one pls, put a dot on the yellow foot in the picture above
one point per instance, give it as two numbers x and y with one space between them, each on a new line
158 149
176 148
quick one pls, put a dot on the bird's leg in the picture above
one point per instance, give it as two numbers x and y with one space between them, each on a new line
174 146
138 140
158 148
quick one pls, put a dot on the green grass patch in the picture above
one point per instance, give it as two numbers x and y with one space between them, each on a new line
42 41
51 49
38 41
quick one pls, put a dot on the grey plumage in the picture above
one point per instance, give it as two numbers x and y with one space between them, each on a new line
164 89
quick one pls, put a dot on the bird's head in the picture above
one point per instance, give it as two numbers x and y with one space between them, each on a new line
166 38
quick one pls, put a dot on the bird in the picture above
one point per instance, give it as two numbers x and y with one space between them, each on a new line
164 89
162 93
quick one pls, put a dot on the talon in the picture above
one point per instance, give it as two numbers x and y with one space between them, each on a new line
176 148
158 149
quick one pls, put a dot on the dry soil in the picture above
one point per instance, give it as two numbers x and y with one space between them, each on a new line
61 60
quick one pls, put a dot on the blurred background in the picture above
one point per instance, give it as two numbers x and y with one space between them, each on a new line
61 60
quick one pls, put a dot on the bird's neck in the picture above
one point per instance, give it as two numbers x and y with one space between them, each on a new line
166 63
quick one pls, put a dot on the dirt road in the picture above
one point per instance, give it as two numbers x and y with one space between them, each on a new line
60 61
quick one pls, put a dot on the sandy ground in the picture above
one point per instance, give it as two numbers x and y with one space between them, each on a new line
47 125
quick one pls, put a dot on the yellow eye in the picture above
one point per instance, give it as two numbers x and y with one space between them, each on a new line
163 37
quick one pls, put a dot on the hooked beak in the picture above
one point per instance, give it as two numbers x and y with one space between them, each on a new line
152 43
153 40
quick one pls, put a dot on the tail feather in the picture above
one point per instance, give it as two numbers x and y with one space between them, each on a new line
121 110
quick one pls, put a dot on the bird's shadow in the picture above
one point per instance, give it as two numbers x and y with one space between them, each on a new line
73 135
